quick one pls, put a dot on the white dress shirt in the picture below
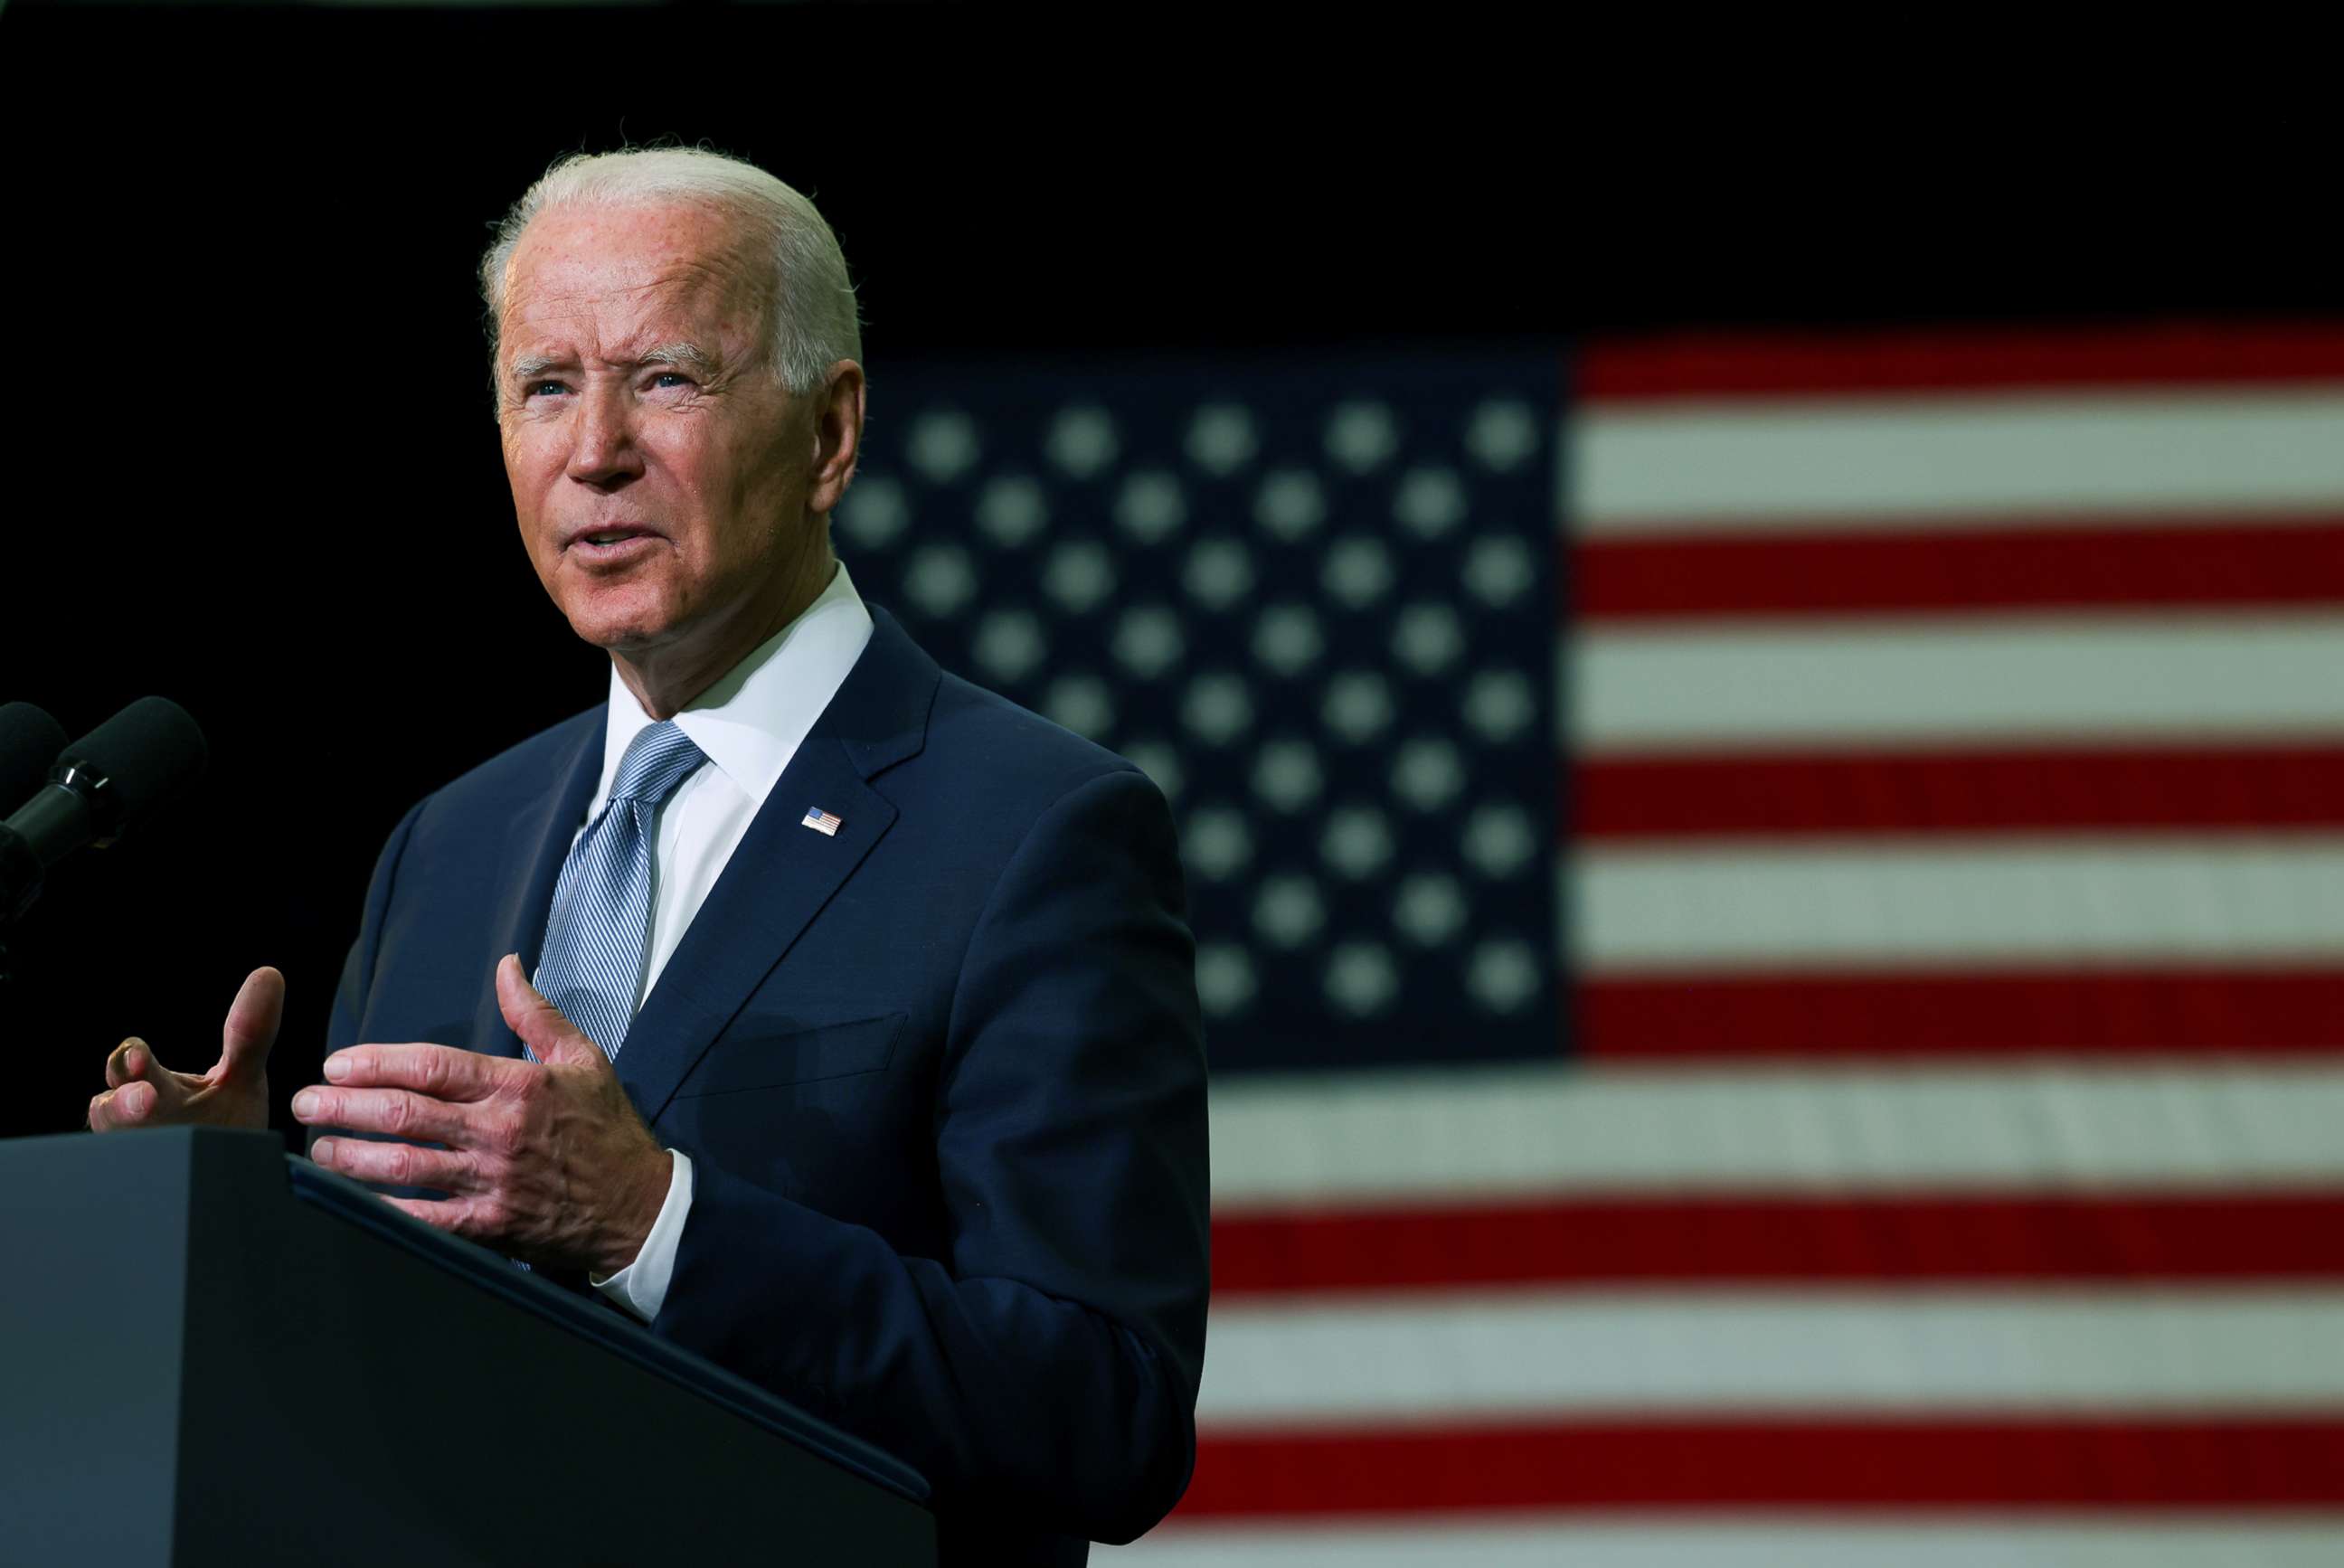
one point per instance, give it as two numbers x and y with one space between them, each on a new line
749 724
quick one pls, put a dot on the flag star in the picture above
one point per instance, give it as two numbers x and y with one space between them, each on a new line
1008 643
1499 840
1429 909
1079 574
1359 705
1160 763
1082 704
1289 504
1499 568
874 513
1357 571
1288 911
1505 975
1012 509
939 578
1429 501
1357 842
1361 436
1150 506
1498 704
1221 438
1219 573
1286 775
1287 638
1427 638
1360 977
1218 708
943 444
1218 844
1149 641
1502 434
1427 773
1224 977
1082 440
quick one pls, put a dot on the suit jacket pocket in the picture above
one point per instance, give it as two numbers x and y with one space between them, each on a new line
755 1060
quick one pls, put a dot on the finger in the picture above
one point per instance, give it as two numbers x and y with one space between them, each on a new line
134 1104
107 1113
130 1061
252 1023
138 1085
396 1164
442 1072
539 1023
399 1112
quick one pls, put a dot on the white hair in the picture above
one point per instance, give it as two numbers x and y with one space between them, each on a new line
814 321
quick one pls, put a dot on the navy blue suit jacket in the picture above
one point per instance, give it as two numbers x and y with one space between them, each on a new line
941 1076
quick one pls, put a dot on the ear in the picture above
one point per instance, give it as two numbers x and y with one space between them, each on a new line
837 436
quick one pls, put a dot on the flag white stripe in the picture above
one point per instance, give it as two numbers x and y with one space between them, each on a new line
1747 1541
1875 683
1540 1129
1903 460
1981 901
1393 1359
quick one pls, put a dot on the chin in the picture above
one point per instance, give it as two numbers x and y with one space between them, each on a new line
621 627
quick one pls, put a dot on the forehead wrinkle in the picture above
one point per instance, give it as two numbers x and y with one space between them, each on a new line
682 274
697 298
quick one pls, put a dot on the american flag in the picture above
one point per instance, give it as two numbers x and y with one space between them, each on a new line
820 821
1771 913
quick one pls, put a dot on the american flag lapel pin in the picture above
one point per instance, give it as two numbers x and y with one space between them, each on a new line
822 822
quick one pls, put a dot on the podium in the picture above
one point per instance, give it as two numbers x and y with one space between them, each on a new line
211 1352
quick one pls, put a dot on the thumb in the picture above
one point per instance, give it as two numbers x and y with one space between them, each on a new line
539 1023
252 1023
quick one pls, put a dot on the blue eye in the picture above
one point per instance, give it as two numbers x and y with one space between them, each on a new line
534 387
664 377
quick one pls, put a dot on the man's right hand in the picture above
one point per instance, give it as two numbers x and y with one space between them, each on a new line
141 1092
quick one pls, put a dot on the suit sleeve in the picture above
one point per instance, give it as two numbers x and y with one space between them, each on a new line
1047 1370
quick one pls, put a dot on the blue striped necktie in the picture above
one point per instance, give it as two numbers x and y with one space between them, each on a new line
599 927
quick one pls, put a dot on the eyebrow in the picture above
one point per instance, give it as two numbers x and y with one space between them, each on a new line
682 353
688 354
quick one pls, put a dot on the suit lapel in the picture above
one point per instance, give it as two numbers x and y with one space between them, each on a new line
538 837
777 881
783 872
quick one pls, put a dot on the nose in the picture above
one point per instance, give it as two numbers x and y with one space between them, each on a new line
603 450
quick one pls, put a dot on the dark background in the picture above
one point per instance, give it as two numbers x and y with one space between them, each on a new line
250 462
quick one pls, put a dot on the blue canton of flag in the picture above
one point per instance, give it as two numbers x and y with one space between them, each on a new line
1317 608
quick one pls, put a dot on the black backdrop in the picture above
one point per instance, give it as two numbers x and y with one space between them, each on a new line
249 460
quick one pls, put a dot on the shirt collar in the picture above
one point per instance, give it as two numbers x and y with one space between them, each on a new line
750 722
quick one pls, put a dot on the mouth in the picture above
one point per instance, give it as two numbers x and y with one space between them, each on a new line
614 545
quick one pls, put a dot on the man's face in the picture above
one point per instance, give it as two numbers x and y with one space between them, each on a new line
663 478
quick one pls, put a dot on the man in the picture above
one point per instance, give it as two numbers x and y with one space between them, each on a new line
862 1054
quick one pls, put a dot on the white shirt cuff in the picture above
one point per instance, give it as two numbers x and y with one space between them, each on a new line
641 1286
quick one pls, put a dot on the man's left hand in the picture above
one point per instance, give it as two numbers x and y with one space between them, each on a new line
546 1161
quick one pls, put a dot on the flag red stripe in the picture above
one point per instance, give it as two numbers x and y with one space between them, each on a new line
2092 789
1774 1240
2212 1012
2184 353
1843 571
1784 1462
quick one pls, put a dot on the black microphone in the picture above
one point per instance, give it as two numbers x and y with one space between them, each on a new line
100 787
29 740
